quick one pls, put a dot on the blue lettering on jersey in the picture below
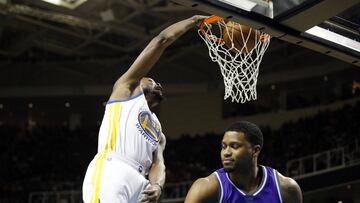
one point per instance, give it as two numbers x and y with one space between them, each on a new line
148 127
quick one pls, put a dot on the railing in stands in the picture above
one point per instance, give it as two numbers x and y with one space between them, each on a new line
173 193
70 196
324 161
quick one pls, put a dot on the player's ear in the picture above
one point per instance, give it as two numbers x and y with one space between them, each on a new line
256 150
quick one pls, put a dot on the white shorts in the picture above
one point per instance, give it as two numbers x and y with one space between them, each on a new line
109 179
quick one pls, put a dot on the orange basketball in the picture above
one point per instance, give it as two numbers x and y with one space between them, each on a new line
233 35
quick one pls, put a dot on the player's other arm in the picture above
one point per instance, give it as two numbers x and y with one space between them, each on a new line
204 190
153 192
290 190
129 81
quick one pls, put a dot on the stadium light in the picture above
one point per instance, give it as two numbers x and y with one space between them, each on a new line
334 38
71 4
243 4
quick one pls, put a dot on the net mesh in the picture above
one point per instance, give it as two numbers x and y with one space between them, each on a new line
239 63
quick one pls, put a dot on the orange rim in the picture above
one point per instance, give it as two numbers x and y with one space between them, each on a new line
215 19
264 37
210 20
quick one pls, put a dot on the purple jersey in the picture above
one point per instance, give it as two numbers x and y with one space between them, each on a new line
267 192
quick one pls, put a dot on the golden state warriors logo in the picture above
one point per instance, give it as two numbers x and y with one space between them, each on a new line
150 127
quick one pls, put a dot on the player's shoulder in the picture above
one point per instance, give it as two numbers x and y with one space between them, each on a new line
287 182
204 190
209 182
125 90
290 189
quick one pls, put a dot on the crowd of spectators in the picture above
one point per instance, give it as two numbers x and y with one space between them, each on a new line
56 158
281 100
200 155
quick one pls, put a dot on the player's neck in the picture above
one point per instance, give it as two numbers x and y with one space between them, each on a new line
248 181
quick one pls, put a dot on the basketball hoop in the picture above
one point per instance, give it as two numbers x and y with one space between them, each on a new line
238 52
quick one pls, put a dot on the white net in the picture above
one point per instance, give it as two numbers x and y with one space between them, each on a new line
238 50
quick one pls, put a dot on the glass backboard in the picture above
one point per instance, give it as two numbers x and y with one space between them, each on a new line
331 27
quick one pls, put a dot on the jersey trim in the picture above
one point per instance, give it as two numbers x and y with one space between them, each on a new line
263 181
221 187
124 100
276 177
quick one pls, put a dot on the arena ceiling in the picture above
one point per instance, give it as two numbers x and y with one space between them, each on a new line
45 45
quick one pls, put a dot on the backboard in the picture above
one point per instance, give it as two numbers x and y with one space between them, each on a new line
331 27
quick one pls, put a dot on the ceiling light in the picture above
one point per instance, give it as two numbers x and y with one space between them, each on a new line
334 38
71 4
243 4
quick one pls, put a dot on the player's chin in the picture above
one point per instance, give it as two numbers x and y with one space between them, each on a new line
154 99
228 168
158 96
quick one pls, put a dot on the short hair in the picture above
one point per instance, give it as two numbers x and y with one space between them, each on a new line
252 132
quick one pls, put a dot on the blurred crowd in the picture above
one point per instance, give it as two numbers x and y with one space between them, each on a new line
56 158
280 100
191 157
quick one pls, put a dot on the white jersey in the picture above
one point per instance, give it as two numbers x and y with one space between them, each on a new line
130 130
128 136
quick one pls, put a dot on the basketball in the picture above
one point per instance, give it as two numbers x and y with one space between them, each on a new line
232 35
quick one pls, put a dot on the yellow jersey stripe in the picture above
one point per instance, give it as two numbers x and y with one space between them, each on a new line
111 116
101 157
95 193
97 189
115 125
97 159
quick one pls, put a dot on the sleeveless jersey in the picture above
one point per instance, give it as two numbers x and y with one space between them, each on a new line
130 130
267 192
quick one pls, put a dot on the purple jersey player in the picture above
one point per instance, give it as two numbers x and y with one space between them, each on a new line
242 180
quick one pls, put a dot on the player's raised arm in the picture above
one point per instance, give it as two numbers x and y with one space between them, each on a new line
204 190
126 84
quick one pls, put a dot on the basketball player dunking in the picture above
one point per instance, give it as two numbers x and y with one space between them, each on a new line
242 180
131 142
